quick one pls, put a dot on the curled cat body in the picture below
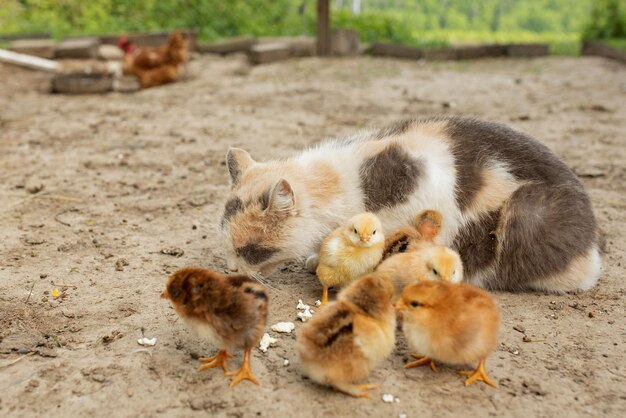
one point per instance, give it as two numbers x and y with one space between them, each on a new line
517 215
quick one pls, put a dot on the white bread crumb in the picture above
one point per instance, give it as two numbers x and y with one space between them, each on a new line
387 397
302 305
305 315
146 341
286 363
285 327
266 341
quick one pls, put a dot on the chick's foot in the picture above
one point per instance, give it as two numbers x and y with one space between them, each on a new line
358 391
218 360
324 295
477 375
245 373
421 361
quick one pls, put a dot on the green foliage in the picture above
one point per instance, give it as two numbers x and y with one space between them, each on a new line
422 23
608 20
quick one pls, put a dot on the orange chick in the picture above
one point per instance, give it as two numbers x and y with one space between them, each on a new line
350 252
347 338
450 323
228 311
424 232
434 262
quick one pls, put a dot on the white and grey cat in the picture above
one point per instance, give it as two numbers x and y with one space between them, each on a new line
517 215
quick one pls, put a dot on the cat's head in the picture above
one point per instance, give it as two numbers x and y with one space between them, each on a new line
261 219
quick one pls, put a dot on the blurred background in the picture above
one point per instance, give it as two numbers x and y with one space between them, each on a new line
564 24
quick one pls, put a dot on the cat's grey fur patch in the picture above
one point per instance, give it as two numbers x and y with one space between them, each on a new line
255 253
389 177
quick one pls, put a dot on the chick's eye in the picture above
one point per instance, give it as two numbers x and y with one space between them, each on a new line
355 231
435 272
415 303
374 233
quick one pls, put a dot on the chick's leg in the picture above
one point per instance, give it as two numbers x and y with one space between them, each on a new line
245 373
358 391
477 375
324 295
421 361
218 360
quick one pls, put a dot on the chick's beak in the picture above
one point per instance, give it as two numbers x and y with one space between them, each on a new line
165 295
364 237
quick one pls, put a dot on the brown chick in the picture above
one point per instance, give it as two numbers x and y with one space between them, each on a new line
347 338
228 311
451 323
427 225
433 262
350 252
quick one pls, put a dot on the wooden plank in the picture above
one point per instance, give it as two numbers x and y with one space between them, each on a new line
323 28
18 36
440 54
395 50
28 61
227 46
480 51
43 48
82 48
528 50
270 52
601 49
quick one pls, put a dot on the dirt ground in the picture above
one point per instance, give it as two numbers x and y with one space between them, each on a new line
94 188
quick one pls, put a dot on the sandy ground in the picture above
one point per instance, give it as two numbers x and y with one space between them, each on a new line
92 189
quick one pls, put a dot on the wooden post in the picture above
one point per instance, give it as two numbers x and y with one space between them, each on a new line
323 27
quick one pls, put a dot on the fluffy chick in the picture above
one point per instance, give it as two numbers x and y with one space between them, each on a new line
424 231
451 323
347 338
434 262
228 311
350 252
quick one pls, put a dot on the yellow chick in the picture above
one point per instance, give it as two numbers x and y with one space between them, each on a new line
350 252
434 262
451 323
347 338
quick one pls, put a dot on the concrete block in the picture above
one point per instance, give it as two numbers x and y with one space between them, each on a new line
79 48
43 48
227 46
270 52
344 42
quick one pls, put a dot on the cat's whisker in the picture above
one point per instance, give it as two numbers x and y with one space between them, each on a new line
257 276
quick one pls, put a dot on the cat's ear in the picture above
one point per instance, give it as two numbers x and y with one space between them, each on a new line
282 198
237 161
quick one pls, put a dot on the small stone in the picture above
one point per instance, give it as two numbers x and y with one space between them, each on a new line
590 315
98 378
519 328
173 251
120 263
43 275
197 404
